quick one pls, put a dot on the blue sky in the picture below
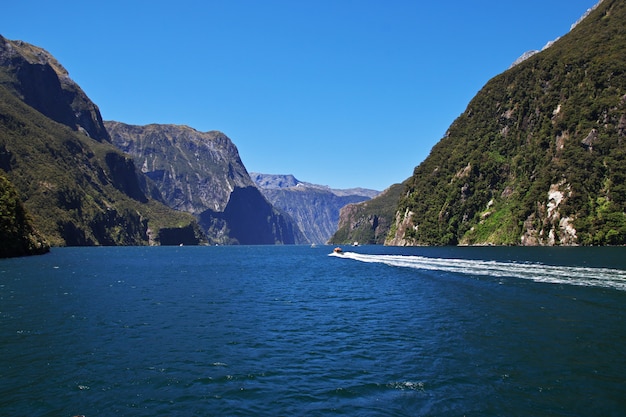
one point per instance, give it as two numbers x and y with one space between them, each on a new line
345 93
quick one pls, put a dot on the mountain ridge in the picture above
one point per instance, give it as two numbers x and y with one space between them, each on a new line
278 181
181 158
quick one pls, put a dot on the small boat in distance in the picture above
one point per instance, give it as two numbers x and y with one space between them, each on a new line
338 250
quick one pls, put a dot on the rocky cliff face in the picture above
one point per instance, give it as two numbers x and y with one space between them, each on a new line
43 84
202 173
79 189
314 208
194 171
537 158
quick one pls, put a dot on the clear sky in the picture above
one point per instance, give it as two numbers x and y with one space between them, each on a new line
345 93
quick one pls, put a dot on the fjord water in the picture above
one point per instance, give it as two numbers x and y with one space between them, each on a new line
290 330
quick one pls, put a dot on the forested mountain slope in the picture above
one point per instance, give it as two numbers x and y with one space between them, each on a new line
78 188
17 235
368 222
539 155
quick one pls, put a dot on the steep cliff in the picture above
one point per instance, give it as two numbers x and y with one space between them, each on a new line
39 80
248 219
314 208
538 157
194 170
202 173
78 188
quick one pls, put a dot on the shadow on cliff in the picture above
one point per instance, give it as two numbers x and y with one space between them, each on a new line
249 220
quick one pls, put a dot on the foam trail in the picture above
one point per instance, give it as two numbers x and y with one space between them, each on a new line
573 275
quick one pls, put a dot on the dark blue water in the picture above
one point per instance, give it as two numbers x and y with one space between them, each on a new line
281 331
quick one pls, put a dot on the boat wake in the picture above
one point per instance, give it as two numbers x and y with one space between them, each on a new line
573 275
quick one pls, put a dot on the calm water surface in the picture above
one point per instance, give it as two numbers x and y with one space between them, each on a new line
282 331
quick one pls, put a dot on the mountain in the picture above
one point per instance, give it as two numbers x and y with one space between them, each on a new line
368 222
202 173
315 208
539 155
193 170
78 188
19 237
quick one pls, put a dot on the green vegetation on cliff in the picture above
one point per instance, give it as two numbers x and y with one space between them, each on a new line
17 235
79 190
539 155
368 222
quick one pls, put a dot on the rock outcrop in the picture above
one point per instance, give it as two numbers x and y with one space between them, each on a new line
532 52
180 236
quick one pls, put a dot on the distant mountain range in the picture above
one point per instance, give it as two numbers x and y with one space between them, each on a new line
314 208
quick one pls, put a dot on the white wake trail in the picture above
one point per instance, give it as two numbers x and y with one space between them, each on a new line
573 275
